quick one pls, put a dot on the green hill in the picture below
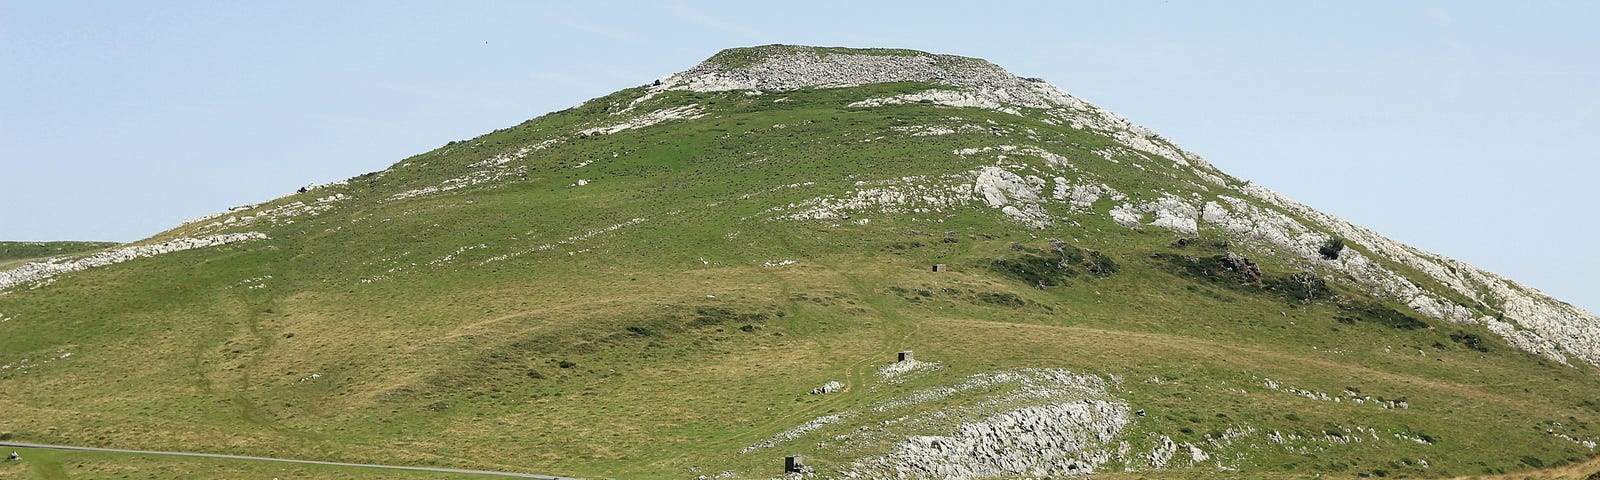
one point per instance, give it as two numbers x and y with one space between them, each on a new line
654 283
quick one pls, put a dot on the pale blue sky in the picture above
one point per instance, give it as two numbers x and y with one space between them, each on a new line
1464 128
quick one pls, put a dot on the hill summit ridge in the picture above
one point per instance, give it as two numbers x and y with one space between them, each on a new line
969 83
789 67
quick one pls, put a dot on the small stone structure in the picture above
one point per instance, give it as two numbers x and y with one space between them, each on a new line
904 356
792 464
939 267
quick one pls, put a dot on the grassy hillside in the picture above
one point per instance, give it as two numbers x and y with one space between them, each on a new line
54 465
635 304
17 252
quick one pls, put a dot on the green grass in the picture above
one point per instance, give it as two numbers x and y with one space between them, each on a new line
441 332
46 464
19 252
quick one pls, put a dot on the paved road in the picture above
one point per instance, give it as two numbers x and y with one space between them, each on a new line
265 459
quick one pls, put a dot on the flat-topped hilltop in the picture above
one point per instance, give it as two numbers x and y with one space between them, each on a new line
962 81
739 57
789 67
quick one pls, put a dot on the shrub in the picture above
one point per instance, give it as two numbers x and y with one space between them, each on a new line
1033 269
1099 264
1469 340
1380 314
1592 405
1002 298
1053 268
1330 249
1303 286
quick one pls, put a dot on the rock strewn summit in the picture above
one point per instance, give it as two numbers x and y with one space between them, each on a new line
977 83
784 67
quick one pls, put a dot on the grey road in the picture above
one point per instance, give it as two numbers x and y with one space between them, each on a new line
265 459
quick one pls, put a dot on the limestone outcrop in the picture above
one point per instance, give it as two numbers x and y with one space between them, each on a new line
39 272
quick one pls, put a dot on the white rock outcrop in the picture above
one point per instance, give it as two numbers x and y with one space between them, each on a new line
1026 422
1052 440
42 271
796 432
686 112
827 388
1528 319
1531 320
284 214
901 368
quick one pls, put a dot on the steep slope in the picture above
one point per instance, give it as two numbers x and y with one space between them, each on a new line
705 274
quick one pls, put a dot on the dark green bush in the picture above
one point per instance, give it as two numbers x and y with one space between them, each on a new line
1469 340
1054 267
1002 298
1033 269
1330 249
1378 313
1303 286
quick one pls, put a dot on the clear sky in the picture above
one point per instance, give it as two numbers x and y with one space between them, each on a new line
1464 128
